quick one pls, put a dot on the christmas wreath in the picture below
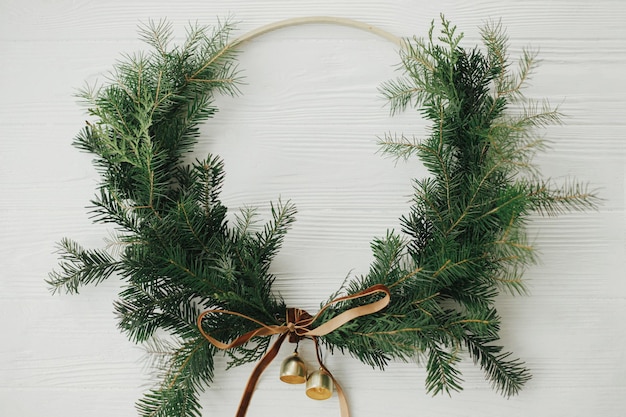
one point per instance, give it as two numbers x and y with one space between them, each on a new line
204 278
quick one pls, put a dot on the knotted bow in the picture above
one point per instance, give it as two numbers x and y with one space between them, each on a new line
298 325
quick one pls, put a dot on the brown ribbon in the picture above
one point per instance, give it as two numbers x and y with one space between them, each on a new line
297 326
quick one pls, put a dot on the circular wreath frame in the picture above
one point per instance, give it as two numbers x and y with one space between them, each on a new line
430 291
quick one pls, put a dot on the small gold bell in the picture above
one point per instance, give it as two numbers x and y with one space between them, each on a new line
293 370
319 386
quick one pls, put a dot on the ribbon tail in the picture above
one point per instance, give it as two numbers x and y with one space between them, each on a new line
343 401
256 374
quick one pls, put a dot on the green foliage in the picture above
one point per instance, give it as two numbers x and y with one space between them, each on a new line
462 240
465 230
81 266
179 256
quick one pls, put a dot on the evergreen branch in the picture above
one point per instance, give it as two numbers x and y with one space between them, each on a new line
192 276
437 163
399 93
189 369
387 257
442 375
418 56
143 310
243 354
399 148
245 221
389 332
108 208
512 281
157 34
80 267
506 375
406 277
533 117
190 227
448 36
552 201
216 81
138 314
474 196
496 42
209 181
224 50
514 84
270 239
424 195
515 246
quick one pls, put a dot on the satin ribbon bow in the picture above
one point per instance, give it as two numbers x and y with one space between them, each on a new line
297 326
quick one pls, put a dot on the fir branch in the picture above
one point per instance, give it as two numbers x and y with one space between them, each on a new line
207 179
400 93
138 313
442 374
80 267
398 147
269 240
506 375
245 222
514 83
388 255
497 43
141 311
187 373
552 200
157 34
511 281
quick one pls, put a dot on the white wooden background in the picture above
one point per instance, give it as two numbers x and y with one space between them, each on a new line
305 129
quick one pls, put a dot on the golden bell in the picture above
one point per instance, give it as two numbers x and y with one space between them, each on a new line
293 370
319 386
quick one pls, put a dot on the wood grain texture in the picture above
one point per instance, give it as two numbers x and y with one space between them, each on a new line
305 129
